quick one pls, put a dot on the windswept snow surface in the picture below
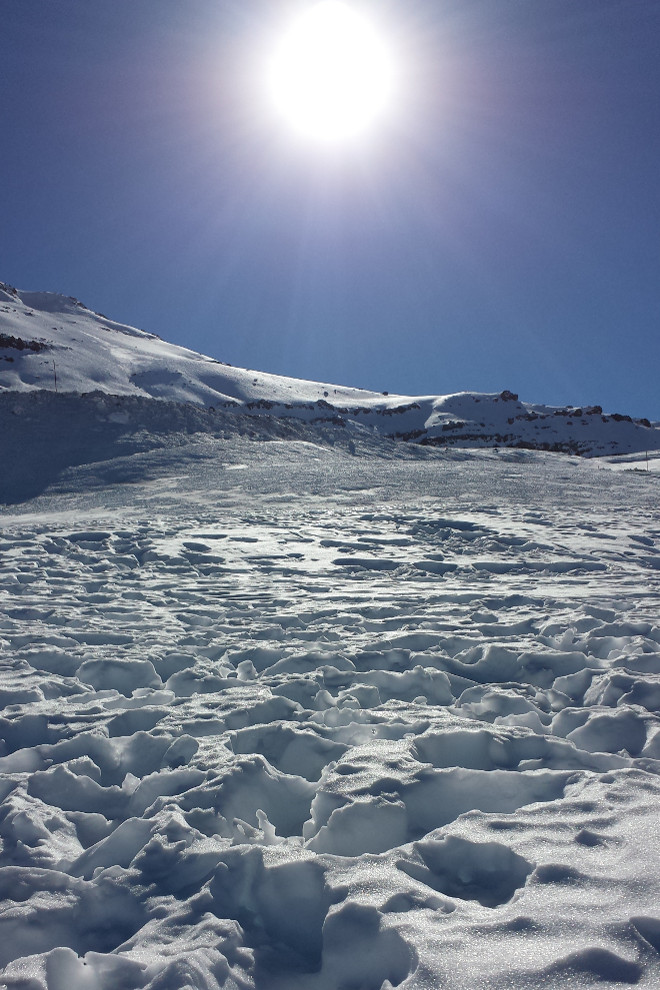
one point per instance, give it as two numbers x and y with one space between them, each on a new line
295 707
52 342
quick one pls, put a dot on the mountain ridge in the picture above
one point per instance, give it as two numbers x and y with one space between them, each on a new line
55 343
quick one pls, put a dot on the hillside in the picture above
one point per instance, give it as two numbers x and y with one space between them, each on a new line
54 343
291 703
327 712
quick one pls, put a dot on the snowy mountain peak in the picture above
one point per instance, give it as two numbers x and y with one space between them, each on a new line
45 302
55 343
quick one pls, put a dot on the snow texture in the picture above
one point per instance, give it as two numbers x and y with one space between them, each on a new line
294 705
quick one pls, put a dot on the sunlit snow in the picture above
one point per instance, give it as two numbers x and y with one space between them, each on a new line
291 703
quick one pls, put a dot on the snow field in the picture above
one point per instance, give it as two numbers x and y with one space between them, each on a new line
279 717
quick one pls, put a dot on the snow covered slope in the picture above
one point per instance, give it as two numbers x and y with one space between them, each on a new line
53 342
280 717
287 703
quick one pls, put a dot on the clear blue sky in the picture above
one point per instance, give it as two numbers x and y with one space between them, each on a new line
501 231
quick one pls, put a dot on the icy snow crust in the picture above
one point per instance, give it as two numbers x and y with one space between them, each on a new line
53 342
297 707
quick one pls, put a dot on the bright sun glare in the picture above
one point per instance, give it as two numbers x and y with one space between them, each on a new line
332 75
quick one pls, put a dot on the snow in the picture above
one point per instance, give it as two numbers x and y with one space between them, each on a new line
53 342
294 704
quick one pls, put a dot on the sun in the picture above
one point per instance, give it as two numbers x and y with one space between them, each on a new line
331 76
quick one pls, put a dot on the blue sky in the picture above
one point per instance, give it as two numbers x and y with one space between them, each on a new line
500 230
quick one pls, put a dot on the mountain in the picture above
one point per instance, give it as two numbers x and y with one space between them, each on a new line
55 343
334 711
